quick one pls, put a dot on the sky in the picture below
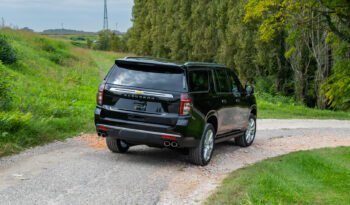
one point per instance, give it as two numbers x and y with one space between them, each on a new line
86 15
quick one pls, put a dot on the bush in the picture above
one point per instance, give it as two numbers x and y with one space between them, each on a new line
276 99
337 87
5 92
13 121
77 38
265 85
7 54
57 52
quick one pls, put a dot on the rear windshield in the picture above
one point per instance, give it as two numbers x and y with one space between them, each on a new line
158 79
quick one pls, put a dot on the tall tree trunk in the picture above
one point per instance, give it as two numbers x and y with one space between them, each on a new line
282 63
320 51
300 63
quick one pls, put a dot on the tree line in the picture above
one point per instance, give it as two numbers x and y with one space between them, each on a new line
108 40
285 47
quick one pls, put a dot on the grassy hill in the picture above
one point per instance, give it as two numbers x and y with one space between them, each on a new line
50 90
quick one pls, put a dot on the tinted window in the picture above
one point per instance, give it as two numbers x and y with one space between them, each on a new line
199 80
160 79
222 82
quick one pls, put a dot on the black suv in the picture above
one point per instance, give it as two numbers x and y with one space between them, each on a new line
187 106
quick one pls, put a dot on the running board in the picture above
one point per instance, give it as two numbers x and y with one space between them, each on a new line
225 137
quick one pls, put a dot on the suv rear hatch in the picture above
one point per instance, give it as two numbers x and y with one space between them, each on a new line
149 93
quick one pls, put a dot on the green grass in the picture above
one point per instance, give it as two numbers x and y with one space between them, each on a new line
280 107
308 177
53 88
79 40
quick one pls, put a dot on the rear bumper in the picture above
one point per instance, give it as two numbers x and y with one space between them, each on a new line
143 133
151 138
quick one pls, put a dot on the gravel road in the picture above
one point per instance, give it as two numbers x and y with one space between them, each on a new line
82 171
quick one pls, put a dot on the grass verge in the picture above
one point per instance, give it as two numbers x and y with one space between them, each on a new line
280 107
308 177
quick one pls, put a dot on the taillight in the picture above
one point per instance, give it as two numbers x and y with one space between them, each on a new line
185 105
99 98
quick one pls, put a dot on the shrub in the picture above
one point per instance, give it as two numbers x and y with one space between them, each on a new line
5 92
61 57
46 45
13 121
265 85
7 54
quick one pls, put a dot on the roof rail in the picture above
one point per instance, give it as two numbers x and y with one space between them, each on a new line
203 64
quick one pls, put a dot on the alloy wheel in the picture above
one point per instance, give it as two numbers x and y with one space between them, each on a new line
208 144
250 133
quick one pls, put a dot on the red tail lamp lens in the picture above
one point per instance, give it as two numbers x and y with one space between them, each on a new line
167 137
102 128
100 93
185 105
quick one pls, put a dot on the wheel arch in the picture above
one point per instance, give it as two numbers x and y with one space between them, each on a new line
254 110
213 119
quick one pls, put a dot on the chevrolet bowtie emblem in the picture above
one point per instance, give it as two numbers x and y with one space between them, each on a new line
139 92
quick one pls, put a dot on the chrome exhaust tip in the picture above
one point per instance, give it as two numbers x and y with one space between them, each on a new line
167 144
174 144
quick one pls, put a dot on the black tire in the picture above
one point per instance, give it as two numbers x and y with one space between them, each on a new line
116 146
196 155
242 140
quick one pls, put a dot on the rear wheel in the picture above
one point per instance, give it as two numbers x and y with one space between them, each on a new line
202 154
248 138
117 145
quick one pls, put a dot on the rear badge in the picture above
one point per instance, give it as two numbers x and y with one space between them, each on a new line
139 92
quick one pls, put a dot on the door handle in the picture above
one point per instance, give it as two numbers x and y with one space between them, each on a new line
224 101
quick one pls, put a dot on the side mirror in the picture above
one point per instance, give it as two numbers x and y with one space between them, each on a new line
235 92
249 90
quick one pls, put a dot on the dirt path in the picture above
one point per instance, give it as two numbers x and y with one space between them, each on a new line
82 171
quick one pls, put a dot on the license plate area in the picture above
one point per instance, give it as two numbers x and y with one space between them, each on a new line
140 106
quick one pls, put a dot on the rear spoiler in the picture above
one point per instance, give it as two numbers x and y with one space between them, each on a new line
125 63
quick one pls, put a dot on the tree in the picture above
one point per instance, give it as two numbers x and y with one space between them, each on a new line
104 40
115 42
7 54
337 15
89 43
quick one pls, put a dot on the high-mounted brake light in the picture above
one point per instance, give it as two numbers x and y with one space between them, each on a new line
99 98
185 104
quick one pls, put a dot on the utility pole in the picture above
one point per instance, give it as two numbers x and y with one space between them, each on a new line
105 19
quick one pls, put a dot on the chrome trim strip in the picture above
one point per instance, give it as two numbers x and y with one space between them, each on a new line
141 131
138 92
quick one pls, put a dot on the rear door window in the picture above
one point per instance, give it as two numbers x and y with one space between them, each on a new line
149 78
199 81
222 82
